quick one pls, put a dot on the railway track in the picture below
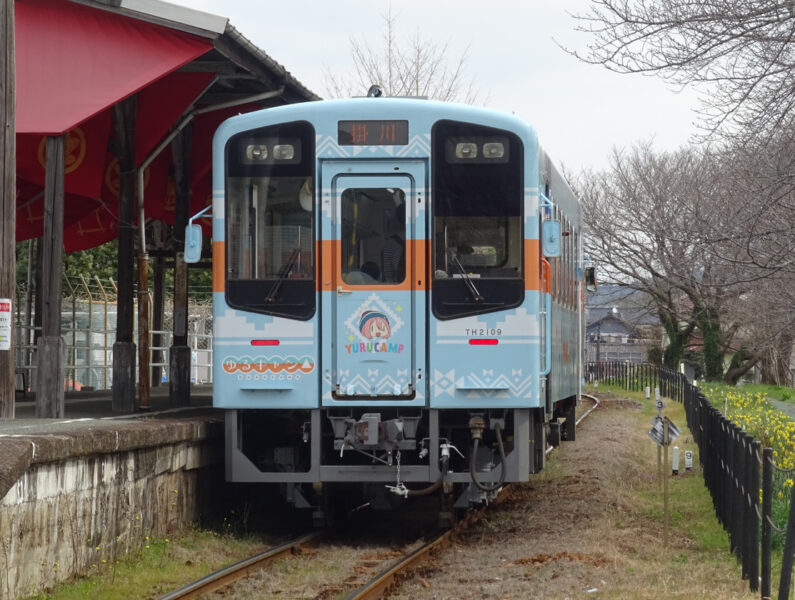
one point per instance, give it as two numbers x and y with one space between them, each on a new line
376 587
228 575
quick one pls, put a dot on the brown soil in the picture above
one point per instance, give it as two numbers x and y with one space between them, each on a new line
583 528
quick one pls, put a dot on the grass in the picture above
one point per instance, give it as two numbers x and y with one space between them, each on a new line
776 392
694 514
698 564
160 566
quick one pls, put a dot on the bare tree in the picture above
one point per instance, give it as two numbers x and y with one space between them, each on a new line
741 218
410 67
742 50
652 219
631 214
761 326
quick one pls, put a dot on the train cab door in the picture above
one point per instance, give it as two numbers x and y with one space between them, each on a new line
374 269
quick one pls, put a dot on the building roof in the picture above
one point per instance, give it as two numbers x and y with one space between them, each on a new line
630 305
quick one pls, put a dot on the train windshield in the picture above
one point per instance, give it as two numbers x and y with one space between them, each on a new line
270 221
477 220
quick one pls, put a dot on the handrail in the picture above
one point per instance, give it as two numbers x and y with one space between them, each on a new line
548 337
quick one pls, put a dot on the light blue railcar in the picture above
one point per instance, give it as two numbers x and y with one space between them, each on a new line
397 299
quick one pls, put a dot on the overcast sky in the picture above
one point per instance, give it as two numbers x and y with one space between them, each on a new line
580 111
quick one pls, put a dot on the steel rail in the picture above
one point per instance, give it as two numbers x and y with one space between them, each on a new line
379 584
582 416
232 573
375 588
590 410
382 582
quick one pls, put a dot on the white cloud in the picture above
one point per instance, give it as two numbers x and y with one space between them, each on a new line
580 111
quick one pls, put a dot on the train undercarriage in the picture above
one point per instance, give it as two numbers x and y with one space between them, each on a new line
384 457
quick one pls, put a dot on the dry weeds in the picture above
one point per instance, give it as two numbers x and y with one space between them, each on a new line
583 528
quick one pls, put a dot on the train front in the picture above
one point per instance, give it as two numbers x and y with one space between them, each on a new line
379 300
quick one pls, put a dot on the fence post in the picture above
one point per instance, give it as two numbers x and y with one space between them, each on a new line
753 498
735 468
767 511
789 551
744 446
725 461
738 478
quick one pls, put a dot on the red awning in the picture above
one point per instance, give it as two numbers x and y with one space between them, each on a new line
72 61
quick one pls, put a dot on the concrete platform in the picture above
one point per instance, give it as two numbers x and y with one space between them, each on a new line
97 404
96 483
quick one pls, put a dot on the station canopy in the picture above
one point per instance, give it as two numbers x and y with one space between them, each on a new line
76 60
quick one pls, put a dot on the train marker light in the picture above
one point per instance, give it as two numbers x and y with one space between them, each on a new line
483 342
264 342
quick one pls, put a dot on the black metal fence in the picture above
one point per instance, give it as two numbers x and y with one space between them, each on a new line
731 461
637 377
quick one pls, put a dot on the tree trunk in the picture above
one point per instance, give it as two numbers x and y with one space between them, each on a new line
678 339
709 323
733 375
776 361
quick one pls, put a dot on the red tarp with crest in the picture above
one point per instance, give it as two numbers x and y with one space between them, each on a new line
73 64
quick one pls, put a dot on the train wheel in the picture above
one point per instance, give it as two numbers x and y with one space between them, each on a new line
570 425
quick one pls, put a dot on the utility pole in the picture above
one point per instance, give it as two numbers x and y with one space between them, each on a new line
8 208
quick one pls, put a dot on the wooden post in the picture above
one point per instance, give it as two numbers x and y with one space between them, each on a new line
50 348
179 367
123 146
8 197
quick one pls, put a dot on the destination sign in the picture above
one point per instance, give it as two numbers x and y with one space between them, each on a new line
373 133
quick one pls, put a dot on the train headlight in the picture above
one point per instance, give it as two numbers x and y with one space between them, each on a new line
493 150
284 152
466 150
256 152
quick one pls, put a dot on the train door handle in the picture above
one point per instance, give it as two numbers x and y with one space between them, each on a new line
341 290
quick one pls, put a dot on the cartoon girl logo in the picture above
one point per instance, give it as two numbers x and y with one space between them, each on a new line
374 324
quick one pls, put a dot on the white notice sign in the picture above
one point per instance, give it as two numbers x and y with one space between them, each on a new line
5 323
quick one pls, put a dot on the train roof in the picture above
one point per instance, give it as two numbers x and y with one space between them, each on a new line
391 107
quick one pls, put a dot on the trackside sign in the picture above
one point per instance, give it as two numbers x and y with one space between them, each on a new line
5 324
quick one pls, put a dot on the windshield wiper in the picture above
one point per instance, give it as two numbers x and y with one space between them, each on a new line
468 280
283 273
